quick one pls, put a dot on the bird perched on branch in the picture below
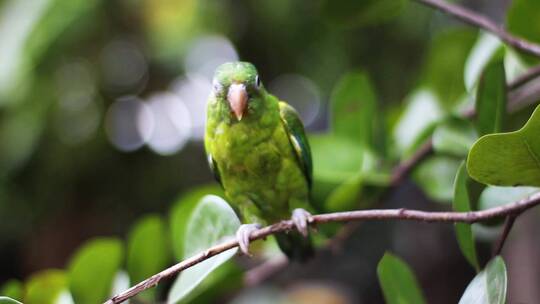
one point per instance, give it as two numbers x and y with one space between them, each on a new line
259 153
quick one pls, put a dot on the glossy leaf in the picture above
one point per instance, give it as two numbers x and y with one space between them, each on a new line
353 105
489 286
7 300
148 250
522 20
212 221
491 99
92 270
181 212
462 203
508 159
45 287
398 283
417 120
454 136
486 46
436 177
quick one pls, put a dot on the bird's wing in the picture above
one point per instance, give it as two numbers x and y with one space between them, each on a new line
211 162
214 168
297 138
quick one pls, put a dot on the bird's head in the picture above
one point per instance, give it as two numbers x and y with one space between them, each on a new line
237 84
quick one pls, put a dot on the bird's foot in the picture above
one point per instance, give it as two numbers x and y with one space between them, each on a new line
242 236
301 218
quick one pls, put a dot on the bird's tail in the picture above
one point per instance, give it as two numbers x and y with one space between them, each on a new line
295 246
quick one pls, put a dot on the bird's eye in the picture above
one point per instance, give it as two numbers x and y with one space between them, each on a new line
257 81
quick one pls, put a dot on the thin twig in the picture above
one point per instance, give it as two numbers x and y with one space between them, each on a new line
404 168
522 79
485 23
508 223
359 215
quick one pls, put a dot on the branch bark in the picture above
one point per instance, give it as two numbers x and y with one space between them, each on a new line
484 23
359 215
508 224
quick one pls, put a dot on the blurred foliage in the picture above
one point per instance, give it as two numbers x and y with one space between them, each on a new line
489 286
398 282
90 147
462 203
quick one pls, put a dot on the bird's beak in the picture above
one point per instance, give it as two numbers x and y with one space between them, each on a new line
238 99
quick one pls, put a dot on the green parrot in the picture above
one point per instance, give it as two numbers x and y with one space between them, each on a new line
259 153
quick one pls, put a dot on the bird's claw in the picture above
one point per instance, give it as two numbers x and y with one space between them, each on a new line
301 218
242 236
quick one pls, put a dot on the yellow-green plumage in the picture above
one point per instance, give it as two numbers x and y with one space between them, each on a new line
263 160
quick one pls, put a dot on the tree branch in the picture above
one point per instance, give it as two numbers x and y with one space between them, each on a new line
508 224
359 215
529 75
485 23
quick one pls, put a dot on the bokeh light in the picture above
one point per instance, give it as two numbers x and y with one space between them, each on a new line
207 53
124 67
129 123
172 124
194 89
300 92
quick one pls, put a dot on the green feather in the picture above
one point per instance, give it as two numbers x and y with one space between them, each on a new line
262 161
298 139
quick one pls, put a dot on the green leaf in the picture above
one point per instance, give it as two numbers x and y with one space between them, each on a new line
454 136
345 196
353 108
489 286
486 46
13 289
181 212
491 99
462 203
522 19
445 64
210 223
417 120
361 13
148 250
508 159
335 159
6 300
45 287
494 196
398 282
92 269
436 177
